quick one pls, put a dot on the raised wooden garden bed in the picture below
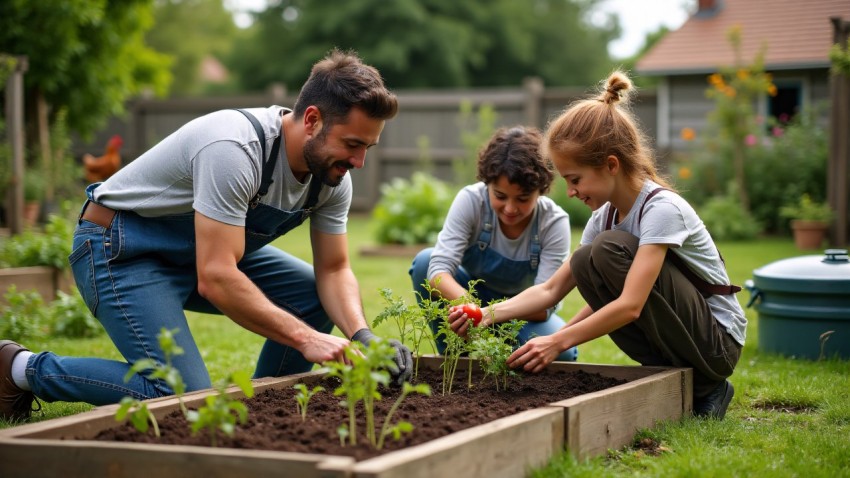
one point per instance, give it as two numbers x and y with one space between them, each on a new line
587 425
44 280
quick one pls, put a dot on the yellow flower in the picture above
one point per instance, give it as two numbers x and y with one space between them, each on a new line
743 74
688 134
685 173
771 90
729 91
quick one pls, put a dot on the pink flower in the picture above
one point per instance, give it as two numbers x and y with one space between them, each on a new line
750 140
777 131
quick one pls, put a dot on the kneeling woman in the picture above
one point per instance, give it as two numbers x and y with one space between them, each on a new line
502 231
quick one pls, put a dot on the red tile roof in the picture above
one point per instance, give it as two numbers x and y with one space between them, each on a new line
798 34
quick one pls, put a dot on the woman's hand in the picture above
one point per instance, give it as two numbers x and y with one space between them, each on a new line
537 353
460 317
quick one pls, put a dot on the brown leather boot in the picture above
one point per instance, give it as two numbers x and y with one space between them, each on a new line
15 404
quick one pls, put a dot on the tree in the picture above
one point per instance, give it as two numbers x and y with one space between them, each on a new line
86 57
429 43
190 31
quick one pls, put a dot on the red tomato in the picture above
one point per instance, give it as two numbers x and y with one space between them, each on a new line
473 312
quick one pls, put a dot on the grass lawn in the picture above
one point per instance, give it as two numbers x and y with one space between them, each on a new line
788 418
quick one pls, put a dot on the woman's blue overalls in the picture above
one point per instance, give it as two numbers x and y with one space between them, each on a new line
138 276
502 278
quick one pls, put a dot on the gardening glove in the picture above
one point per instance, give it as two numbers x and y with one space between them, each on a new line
403 358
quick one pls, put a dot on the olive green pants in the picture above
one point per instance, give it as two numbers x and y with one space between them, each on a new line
675 327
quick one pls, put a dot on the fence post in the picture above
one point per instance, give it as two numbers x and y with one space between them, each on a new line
15 134
839 151
534 88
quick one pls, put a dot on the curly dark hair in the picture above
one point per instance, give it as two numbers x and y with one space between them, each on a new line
515 153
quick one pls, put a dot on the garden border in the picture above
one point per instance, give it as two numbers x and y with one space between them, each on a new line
587 425
43 279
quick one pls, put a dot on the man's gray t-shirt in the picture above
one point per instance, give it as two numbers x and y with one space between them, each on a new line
669 219
213 165
466 219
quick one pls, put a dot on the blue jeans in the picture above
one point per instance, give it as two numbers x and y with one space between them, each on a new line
418 274
136 278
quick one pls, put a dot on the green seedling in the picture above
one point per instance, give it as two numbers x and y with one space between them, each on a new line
165 372
412 321
456 345
221 411
302 398
492 346
137 412
400 427
361 381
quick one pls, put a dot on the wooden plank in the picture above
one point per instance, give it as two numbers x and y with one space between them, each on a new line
622 372
507 447
609 419
589 424
88 424
26 458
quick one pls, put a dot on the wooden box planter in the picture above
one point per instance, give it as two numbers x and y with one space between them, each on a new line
44 280
587 425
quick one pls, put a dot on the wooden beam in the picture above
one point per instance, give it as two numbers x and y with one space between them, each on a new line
838 169
15 133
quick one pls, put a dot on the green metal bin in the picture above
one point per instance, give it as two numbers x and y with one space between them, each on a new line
803 305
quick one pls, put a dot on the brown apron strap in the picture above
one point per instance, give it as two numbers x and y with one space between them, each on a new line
706 288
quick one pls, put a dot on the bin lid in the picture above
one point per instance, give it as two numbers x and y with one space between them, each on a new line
829 272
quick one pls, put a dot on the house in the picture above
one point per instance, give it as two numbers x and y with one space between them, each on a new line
797 36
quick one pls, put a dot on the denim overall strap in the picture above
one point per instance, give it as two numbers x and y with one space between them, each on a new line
534 247
486 236
268 223
706 288
502 277
268 165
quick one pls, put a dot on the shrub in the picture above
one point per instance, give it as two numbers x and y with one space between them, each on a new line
25 317
727 220
807 210
72 318
411 212
28 317
578 211
31 248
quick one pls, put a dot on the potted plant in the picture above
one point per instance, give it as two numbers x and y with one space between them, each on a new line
809 220
34 186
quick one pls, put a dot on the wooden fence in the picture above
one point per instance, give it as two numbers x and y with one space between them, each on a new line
432 114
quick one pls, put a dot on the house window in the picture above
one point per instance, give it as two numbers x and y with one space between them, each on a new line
787 102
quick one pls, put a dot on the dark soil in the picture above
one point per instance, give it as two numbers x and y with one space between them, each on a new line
275 424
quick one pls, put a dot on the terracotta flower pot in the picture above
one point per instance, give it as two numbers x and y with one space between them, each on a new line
809 235
32 211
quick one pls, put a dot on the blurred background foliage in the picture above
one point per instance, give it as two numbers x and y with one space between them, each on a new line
87 58
428 43
90 56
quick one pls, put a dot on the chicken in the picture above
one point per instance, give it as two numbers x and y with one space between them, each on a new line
101 167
